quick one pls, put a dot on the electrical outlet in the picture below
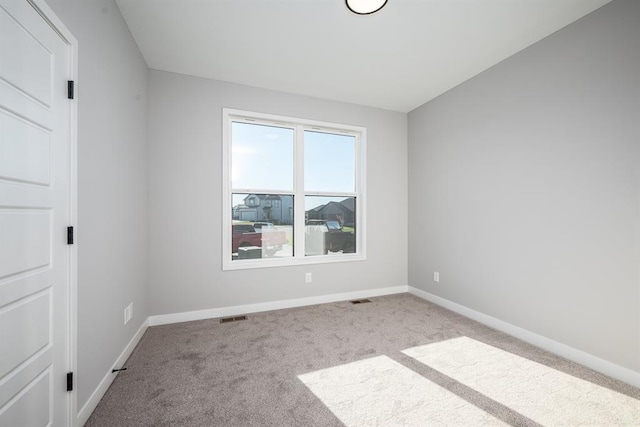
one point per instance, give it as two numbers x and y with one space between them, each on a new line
128 313
308 278
436 277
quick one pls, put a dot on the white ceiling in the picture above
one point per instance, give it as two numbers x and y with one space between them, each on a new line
398 59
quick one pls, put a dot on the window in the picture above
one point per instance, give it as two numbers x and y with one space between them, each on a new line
293 191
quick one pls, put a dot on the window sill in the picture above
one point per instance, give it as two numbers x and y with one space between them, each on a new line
288 262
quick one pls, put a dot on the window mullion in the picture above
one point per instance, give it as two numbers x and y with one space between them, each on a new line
298 187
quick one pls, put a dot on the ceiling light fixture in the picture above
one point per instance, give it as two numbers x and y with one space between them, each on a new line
365 7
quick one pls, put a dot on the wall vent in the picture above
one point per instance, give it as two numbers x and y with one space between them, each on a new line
232 319
360 301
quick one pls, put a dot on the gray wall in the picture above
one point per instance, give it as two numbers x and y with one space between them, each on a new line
185 116
524 187
112 185
523 190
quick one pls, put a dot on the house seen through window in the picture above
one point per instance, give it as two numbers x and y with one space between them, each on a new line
294 191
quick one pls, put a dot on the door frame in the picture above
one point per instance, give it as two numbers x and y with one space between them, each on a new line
72 268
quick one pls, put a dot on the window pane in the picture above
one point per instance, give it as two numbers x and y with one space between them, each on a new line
329 162
330 225
261 157
262 226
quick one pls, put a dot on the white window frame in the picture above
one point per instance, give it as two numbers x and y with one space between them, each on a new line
299 126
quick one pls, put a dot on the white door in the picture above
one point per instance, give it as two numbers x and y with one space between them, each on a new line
35 117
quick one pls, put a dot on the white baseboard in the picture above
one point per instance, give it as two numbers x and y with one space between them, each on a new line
188 316
623 374
590 361
94 399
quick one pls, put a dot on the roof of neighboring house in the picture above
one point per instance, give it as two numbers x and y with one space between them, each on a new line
333 205
349 203
317 208
346 205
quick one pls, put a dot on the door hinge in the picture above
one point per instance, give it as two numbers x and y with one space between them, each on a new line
69 235
70 89
70 381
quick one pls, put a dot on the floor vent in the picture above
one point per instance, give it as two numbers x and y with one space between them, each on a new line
232 319
360 301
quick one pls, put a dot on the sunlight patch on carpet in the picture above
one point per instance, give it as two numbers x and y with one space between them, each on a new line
541 393
380 391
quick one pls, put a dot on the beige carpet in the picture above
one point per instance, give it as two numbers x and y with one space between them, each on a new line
541 393
398 360
382 392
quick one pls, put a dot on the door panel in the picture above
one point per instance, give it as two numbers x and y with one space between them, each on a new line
32 406
25 243
30 72
24 330
34 214
24 151
15 382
